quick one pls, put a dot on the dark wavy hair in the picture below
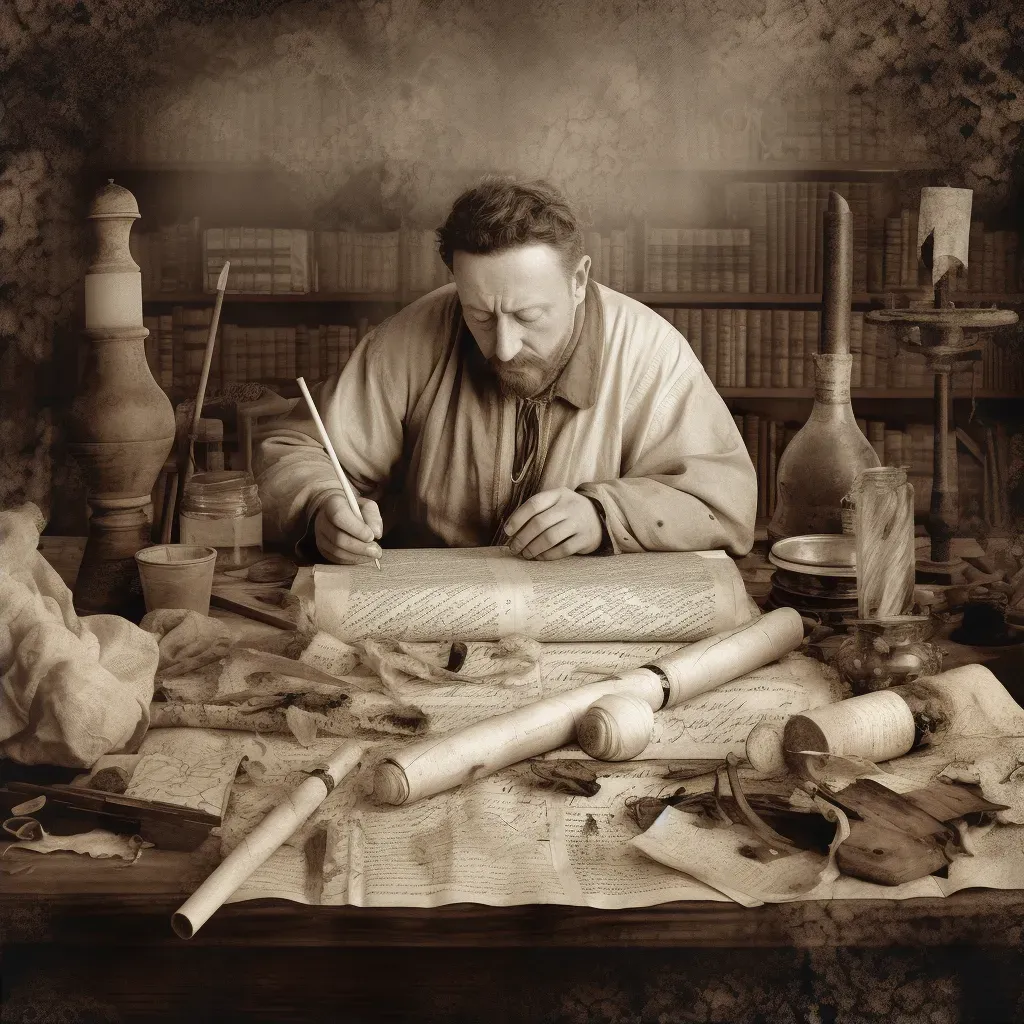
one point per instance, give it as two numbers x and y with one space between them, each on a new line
500 213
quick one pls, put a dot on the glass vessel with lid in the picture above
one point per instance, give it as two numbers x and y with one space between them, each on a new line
222 510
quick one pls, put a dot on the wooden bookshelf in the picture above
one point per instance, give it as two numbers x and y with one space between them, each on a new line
866 394
772 167
648 298
831 168
240 298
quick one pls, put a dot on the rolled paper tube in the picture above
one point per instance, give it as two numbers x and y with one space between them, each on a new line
764 748
719 659
876 726
433 765
616 727
267 837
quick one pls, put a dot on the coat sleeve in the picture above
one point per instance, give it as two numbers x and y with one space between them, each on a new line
687 482
363 409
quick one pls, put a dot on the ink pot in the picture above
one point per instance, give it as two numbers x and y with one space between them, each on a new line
222 510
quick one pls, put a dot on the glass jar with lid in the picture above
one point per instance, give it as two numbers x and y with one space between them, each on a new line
222 510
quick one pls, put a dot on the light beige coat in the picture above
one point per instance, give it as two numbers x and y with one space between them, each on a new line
419 424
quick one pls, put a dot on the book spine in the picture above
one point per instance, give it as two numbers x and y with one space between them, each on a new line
802 216
796 348
709 342
780 348
695 333
772 239
739 333
754 348
726 349
792 239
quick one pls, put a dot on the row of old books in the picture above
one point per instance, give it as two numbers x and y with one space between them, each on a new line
836 127
785 223
775 348
170 258
264 261
379 261
182 258
177 343
992 258
697 260
910 445
778 252
613 259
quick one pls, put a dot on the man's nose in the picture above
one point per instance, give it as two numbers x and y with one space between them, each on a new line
508 342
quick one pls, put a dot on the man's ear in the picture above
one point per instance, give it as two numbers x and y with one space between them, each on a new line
579 279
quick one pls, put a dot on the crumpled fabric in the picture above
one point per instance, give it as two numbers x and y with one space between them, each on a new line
187 640
74 688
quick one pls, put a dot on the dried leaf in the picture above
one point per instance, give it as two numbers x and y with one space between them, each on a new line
946 801
569 777
26 829
692 770
303 725
272 569
254 771
29 807
457 656
644 810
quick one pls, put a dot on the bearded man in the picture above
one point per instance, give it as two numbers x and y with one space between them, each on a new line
524 404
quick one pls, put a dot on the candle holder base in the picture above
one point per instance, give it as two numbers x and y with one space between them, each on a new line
108 579
880 653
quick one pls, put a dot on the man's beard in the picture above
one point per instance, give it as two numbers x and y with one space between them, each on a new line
526 376
523 378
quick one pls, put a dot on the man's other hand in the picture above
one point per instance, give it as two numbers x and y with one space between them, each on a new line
345 538
554 524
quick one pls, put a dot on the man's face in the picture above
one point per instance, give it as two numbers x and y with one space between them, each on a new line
520 305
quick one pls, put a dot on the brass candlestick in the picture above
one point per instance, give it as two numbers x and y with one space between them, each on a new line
121 424
947 336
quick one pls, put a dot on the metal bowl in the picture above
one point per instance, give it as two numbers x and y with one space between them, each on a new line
819 554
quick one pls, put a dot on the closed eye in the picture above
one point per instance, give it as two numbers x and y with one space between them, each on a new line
529 316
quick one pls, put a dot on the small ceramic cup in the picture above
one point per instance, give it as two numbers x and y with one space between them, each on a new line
177 576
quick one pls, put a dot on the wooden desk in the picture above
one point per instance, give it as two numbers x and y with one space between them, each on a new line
85 940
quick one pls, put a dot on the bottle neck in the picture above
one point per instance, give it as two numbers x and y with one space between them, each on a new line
832 373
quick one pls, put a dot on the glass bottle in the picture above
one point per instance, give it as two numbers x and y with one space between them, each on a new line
821 464
885 543
222 510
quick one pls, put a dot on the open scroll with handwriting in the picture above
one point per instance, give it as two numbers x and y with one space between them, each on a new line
489 593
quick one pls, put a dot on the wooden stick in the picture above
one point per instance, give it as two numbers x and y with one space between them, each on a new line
339 472
211 339
266 838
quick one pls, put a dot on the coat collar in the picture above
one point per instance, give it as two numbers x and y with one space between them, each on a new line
580 379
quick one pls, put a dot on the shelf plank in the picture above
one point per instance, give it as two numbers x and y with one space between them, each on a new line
289 389
710 167
647 298
885 394
238 298
809 167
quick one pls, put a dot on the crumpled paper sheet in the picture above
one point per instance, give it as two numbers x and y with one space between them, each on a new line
213 683
715 857
73 688
98 843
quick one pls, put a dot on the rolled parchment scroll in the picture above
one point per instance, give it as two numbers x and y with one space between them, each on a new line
433 765
267 837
